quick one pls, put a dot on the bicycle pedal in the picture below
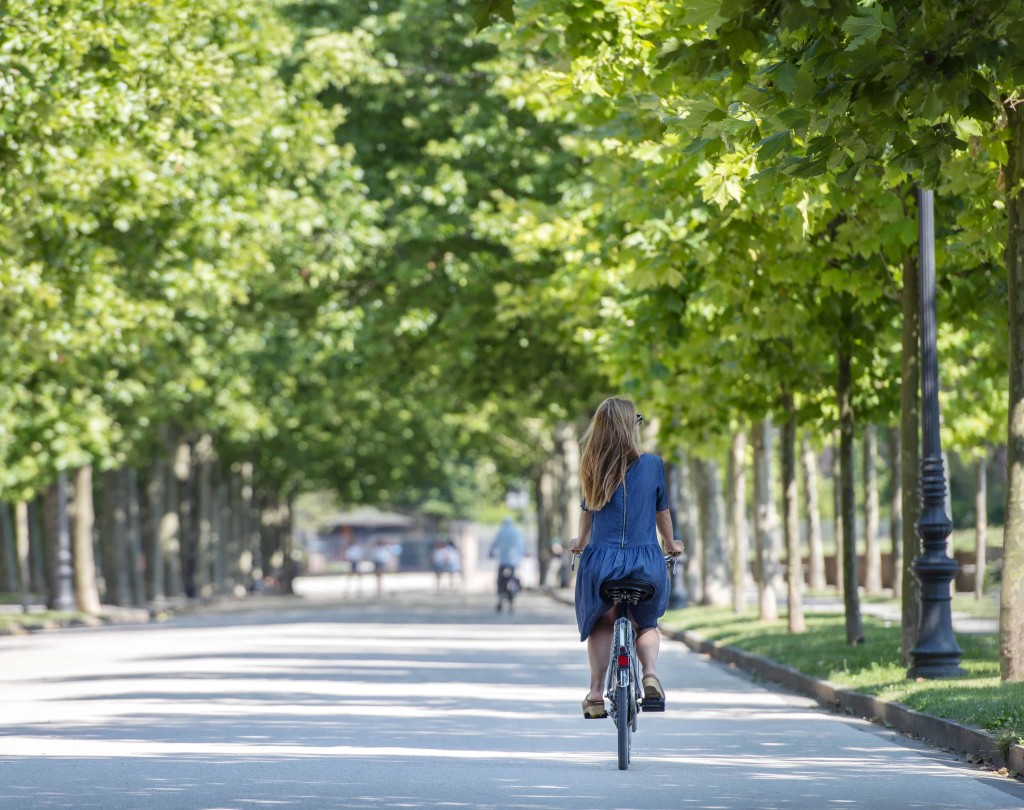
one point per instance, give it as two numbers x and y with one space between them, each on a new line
652 705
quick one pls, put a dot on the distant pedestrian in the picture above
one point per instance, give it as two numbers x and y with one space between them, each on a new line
383 558
439 562
354 558
445 559
452 563
509 548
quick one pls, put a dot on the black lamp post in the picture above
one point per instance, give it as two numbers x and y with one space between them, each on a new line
936 654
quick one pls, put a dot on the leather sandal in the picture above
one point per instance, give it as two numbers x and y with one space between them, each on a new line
593 709
654 695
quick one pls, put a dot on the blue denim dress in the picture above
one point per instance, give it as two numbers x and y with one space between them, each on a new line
624 543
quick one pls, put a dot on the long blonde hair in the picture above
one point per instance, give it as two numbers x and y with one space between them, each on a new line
610 444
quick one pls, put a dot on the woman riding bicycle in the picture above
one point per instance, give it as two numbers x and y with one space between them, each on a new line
625 508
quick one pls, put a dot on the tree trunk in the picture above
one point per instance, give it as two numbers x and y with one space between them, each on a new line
49 508
1011 593
170 529
186 517
837 512
86 591
156 500
815 552
872 550
218 535
791 522
765 521
113 539
689 517
570 455
544 539
715 575
980 527
910 449
58 530
547 520
236 547
251 565
288 544
133 536
270 533
37 551
204 458
21 534
851 599
738 520
8 557
896 511
223 579
561 524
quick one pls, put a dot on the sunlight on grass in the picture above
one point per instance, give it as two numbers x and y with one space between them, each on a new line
36 619
873 667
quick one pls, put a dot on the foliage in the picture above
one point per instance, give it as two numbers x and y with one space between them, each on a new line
288 229
145 245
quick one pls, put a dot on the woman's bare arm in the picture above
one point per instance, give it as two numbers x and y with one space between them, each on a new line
586 521
663 520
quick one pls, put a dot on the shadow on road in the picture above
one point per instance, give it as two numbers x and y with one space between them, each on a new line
433 704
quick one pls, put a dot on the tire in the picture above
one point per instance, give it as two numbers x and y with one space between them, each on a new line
634 712
624 722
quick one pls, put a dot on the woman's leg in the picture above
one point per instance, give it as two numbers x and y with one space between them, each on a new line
648 643
599 650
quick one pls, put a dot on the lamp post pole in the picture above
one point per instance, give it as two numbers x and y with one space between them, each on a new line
936 653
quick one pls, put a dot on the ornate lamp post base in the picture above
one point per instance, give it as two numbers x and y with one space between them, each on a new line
936 654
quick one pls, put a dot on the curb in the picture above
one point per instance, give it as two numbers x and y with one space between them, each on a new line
972 743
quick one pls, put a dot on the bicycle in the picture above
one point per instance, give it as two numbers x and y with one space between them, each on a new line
622 681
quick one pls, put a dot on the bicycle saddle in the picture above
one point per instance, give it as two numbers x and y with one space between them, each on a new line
626 590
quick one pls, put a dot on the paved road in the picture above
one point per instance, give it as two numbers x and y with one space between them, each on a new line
420 701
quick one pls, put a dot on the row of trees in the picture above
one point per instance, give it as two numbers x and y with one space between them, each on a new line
252 249
741 244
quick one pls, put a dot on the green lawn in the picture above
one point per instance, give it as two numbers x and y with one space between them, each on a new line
979 699
34 619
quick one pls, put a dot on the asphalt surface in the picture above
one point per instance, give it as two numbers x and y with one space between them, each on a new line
421 700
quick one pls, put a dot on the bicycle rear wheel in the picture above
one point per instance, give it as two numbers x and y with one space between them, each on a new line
624 722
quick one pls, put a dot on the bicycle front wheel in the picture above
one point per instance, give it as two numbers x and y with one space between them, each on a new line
624 723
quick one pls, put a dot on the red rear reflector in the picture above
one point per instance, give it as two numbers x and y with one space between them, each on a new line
623 660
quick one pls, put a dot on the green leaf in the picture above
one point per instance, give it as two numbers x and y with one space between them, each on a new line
769 147
866 25
783 76
696 146
484 11
704 12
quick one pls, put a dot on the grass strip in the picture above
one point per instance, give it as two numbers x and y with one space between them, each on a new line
979 699
36 620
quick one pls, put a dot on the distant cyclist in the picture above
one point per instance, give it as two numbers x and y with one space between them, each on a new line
510 548
625 508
